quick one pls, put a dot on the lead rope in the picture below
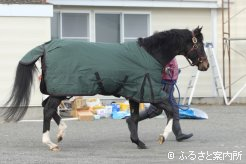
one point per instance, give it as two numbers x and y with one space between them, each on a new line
174 84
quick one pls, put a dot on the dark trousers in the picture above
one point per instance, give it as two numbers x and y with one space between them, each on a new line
170 106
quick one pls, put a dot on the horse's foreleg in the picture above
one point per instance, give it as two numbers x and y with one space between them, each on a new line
132 122
169 113
50 108
167 130
61 126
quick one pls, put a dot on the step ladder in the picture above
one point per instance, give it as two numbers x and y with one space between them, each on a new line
213 66
191 87
217 79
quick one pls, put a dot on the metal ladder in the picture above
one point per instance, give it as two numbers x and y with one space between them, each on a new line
191 87
214 66
217 79
217 76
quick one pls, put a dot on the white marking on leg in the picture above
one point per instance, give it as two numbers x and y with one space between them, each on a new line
61 130
46 140
168 129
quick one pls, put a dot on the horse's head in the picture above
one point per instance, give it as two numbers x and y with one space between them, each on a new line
195 53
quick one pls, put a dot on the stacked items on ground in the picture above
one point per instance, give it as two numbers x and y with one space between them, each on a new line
81 110
90 109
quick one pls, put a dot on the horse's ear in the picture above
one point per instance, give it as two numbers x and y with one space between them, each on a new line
197 30
200 28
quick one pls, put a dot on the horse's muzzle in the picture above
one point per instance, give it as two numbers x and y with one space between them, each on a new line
203 66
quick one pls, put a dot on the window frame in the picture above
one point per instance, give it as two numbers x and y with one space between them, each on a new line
106 12
122 22
136 13
78 12
92 22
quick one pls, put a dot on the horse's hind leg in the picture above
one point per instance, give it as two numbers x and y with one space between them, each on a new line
50 107
61 126
132 122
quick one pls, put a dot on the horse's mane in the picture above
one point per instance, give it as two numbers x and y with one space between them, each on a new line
161 40
165 45
168 43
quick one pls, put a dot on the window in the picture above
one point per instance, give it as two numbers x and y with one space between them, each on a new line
107 27
75 25
70 25
135 26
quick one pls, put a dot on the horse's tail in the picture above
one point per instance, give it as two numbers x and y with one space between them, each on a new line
17 104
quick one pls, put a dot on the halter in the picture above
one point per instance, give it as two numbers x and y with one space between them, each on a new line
194 48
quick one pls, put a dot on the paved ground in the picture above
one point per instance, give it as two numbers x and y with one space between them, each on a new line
220 139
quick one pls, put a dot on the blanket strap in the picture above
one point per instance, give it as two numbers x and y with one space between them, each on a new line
142 87
151 87
120 87
99 83
102 89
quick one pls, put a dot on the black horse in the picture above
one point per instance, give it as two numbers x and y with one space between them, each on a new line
162 46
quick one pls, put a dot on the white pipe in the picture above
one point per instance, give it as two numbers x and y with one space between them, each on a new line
240 90
222 85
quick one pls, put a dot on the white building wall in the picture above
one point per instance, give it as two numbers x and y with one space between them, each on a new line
19 34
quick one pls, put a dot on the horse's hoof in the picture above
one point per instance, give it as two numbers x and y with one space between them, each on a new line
161 139
142 146
59 139
55 149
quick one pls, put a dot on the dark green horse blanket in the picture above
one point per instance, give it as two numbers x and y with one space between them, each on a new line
75 67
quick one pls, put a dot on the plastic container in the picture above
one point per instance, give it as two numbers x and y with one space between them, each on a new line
115 107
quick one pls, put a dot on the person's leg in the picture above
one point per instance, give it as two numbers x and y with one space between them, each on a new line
173 106
180 136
